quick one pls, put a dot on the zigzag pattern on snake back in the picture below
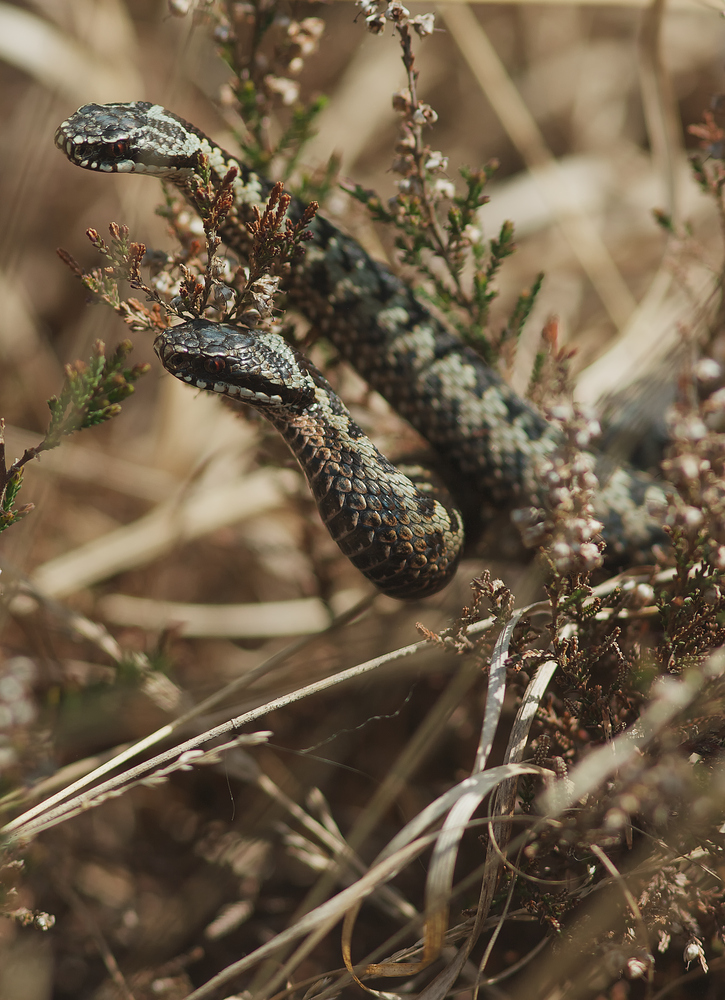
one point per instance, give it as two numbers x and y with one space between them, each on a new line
491 442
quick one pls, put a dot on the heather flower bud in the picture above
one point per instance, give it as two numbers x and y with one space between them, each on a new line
691 518
694 952
397 13
473 234
562 411
223 296
642 595
424 115
560 552
436 161
403 165
591 556
530 522
582 464
375 23
406 143
586 434
686 427
288 90
401 102
424 24
444 189
708 372
636 968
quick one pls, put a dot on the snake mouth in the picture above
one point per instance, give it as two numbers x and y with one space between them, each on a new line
113 157
90 156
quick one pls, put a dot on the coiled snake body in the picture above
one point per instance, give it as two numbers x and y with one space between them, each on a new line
490 441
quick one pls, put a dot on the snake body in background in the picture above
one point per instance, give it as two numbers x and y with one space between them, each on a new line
489 441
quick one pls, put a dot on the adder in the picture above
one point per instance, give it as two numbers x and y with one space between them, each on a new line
491 445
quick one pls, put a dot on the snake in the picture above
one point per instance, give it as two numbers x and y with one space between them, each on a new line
490 444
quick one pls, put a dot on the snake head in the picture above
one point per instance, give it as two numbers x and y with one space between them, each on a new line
253 366
139 137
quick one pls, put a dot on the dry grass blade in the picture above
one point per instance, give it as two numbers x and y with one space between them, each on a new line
504 806
416 753
439 880
594 257
457 805
91 774
520 734
322 918
253 621
24 598
496 691
27 826
627 893
359 107
660 107
90 465
137 544
59 62
654 334
389 898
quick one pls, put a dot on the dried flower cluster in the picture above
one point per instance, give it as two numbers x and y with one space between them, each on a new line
421 169
396 14
195 281
266 50
693 611
566 527
438 231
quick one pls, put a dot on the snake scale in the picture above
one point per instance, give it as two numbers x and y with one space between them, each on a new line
490 443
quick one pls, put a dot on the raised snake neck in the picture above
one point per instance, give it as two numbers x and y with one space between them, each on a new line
491 442
393 529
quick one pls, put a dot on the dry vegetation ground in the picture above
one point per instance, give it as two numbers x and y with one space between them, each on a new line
176 500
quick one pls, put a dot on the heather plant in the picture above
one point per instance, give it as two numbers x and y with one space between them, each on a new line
91 394
438 229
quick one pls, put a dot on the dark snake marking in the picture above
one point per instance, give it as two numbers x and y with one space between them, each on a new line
490 441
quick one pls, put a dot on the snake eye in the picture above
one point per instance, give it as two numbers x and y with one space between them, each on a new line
214 365
119 148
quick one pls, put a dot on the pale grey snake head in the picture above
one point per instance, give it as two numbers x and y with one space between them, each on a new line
140 137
